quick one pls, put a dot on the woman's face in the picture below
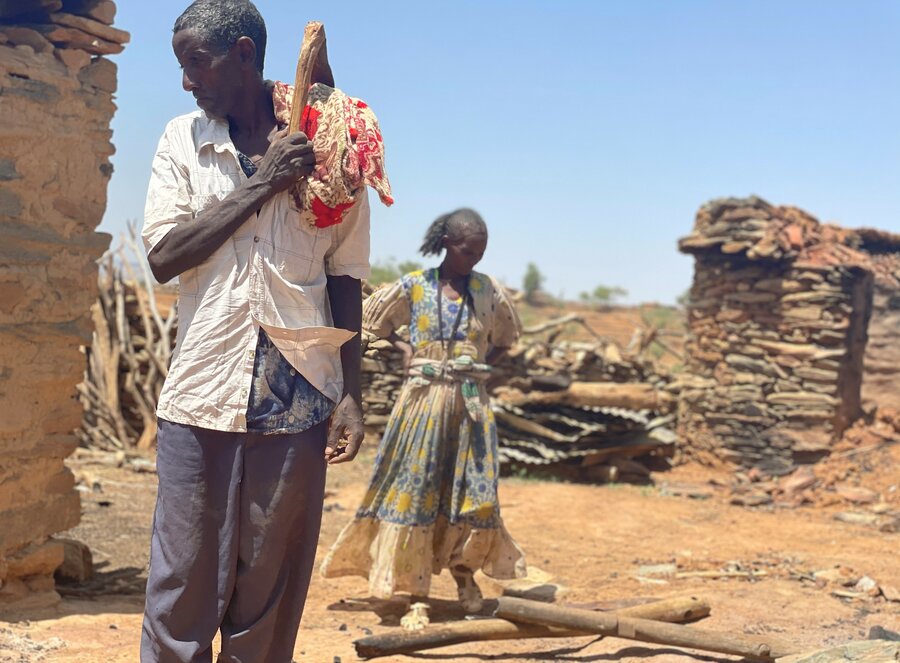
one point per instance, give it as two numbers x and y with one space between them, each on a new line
463 253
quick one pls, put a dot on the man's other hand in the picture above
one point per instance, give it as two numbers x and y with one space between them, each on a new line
345 432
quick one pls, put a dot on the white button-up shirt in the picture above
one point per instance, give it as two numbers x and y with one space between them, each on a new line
271 273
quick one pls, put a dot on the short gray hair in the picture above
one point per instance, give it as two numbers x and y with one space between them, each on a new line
220 23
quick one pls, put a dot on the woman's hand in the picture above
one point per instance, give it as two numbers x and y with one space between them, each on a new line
345 432
407 351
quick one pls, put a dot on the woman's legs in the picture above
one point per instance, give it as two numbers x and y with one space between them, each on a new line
469 593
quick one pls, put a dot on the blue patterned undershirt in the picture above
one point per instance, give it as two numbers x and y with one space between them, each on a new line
281 401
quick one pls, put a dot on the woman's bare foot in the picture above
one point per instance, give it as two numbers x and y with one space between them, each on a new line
416 617
469 593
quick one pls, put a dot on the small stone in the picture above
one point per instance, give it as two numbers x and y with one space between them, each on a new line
890 593
75 59
856 494
866 584
77 565
856 518
656 570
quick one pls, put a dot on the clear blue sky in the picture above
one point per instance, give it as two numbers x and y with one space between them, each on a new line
586 133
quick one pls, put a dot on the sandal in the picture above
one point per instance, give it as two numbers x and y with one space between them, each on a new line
416 618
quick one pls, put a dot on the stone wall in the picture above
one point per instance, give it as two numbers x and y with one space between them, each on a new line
881 374
778 320
56 93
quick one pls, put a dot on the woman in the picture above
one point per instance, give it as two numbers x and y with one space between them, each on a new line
432 501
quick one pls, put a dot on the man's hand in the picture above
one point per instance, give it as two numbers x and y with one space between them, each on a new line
345 432
289 157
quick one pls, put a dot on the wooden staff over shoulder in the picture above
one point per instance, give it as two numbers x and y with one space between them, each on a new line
313 43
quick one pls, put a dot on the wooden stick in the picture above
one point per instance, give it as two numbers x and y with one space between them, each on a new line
643 630
679 609
313 39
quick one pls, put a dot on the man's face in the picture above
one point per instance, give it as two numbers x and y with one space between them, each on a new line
213 78
465 252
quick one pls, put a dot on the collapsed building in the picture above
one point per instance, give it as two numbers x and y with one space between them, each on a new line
56 89
793 329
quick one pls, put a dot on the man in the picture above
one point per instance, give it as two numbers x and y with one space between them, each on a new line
263 390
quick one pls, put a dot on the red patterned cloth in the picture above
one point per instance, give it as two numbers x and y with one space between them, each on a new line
349 152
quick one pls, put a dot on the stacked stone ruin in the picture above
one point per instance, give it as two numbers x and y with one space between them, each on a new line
779 319
56 90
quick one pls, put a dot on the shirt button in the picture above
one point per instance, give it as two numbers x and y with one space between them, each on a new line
256 239
293 372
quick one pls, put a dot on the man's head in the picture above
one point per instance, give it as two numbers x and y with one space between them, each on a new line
219 44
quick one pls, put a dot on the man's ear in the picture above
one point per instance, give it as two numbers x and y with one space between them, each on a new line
246 51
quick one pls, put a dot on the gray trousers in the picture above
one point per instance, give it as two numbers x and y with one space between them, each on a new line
234 538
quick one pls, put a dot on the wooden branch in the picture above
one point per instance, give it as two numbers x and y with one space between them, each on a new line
570 319
637 396
313 40
643 630
670 610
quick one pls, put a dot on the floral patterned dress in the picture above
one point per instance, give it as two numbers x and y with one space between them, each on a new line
432 501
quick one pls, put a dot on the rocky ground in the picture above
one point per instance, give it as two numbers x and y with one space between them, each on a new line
799 571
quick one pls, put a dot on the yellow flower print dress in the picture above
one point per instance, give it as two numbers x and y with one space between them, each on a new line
432 501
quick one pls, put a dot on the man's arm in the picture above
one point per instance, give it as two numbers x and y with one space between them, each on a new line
345 296
187 245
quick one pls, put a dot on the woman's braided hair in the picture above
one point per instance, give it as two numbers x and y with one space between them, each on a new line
453 224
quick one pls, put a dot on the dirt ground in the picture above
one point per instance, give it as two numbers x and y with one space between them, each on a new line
603 543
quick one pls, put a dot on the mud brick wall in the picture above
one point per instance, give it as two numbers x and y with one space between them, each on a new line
778 318
56 92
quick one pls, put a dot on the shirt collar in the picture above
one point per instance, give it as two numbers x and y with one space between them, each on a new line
214 132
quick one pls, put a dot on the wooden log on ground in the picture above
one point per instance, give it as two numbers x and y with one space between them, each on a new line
679 609
643 630
633 395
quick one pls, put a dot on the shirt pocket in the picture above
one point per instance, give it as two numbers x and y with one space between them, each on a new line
200 201
299 250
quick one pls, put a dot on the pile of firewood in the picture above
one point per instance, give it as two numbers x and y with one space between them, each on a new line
129 354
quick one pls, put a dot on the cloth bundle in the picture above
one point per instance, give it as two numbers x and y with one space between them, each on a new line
349 152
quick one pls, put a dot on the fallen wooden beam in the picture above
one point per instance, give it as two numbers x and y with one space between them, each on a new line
643 630
633 395
680 609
